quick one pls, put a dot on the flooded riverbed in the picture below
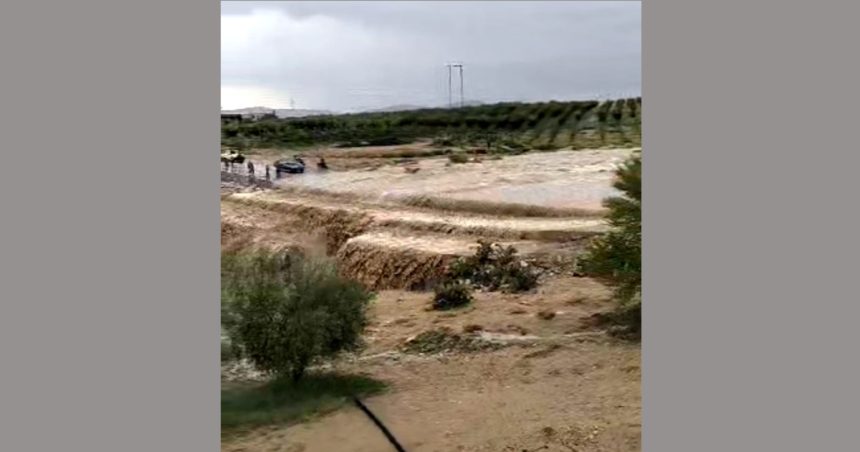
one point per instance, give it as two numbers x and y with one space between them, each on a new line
562 179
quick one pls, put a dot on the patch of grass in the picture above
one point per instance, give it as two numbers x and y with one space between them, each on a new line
445 340
283 401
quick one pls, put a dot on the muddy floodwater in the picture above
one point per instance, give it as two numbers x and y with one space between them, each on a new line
562 179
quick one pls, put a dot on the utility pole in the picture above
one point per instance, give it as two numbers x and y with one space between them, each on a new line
449 65
462 102
450 96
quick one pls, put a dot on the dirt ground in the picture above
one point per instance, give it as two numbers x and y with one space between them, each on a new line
560 388
551 381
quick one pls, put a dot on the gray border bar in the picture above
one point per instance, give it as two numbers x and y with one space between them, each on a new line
109 325
108 322
750 329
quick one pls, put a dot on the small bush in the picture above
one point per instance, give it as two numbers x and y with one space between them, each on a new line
520 279
494 267
458 158
452 294
283 310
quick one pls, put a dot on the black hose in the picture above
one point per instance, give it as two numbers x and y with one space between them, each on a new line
379 424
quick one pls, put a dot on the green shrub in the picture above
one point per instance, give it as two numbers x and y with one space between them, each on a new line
519 279
452 294
494 267
283 310
616 257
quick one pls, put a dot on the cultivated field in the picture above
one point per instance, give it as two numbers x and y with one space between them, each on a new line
540 125
511 372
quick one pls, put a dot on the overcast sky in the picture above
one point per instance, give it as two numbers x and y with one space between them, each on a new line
345 56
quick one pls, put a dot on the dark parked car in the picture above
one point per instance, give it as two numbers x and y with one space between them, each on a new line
289 166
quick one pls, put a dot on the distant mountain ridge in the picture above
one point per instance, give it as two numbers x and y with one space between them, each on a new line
298 112
408 107
393 108
279 112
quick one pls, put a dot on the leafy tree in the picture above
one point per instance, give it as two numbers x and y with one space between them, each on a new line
283 311
616 257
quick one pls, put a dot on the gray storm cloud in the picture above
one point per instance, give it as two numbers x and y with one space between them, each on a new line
344 56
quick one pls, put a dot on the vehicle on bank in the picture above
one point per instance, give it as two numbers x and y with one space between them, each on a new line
289 166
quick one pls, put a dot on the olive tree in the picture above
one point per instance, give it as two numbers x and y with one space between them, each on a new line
283 310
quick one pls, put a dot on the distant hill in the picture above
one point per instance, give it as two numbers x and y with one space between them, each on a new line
396 108
408 107
280 112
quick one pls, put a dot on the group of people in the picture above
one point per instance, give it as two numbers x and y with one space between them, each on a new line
251 173
228 165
